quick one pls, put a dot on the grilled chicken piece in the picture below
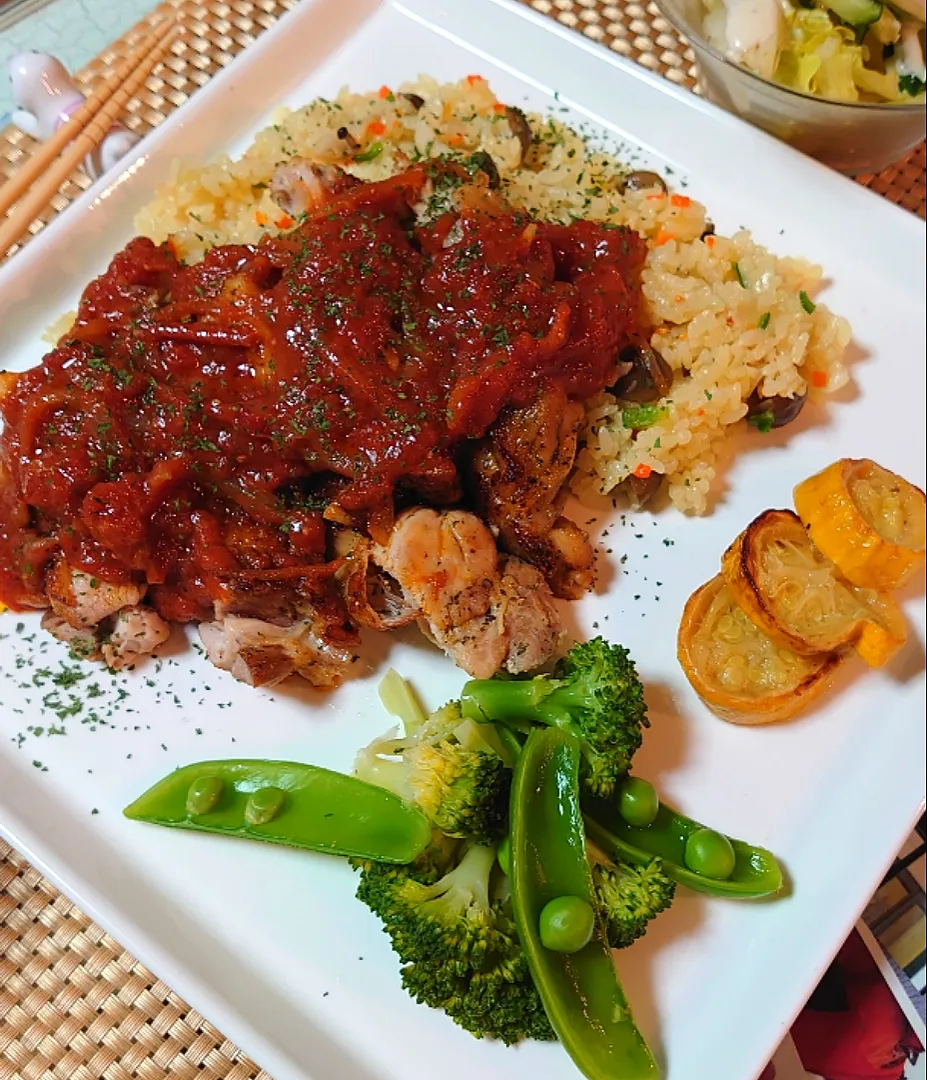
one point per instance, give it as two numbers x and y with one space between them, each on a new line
261 653
520 471
136 632
526 617
83 600
487 614
300 185
83 641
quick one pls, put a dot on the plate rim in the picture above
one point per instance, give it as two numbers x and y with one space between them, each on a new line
71 881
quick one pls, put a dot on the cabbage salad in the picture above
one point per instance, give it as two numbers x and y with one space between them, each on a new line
845 50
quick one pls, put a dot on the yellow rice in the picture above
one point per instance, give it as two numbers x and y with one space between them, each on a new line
726 314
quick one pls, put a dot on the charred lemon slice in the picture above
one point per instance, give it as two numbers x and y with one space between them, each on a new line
742 674
789 590
869 522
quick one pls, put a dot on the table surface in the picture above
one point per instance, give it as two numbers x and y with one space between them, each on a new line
74 1005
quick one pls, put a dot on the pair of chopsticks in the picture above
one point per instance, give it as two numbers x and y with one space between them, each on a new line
78 136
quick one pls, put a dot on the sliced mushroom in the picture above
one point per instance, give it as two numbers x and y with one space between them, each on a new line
483 162
415 100
779 410
348 139
649 378
641 490
521 129
642 180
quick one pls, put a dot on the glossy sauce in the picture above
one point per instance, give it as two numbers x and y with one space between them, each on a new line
196 421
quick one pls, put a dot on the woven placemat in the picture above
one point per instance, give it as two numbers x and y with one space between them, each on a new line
74 1005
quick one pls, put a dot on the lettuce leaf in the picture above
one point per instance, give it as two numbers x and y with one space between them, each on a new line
823 58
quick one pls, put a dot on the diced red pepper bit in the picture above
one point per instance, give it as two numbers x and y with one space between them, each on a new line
376 127
284 222
471 79
819 379
498 107
384 92
709 241
642 472
260 217
682 201
663 237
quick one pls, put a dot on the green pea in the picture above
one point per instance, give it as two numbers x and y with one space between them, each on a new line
638 802
710 854
566 924
203 794
263 805
504 856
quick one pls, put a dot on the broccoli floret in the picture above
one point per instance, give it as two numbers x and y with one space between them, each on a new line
450 925
449 769
594 691
629 897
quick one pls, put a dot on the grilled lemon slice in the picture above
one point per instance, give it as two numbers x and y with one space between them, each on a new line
869 522
742 674
789 590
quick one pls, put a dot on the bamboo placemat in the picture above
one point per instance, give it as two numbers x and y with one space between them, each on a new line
74 1005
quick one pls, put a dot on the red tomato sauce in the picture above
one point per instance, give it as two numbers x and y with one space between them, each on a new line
196 421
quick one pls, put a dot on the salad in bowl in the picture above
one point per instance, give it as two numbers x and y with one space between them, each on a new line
841 50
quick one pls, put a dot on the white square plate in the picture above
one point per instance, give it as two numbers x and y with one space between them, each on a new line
269 943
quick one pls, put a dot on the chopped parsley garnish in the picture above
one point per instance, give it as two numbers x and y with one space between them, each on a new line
764 321
806 302
763 421
909 83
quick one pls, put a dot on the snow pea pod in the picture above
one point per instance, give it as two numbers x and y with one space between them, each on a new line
288 803
581 993
756 872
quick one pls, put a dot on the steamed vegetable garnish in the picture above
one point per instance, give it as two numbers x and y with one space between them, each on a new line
796 596
594 692
449 769
629 897
505 860
737 669
868 521
449 919
797 593
287 803
755 872
580 989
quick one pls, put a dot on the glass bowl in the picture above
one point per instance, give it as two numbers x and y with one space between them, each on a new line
853 137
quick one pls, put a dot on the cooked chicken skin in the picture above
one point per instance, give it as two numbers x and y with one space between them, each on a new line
520 471
136 632
82 641
83 600
261 653
487 614
445 561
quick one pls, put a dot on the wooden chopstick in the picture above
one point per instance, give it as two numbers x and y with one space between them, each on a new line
79 136
26 176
